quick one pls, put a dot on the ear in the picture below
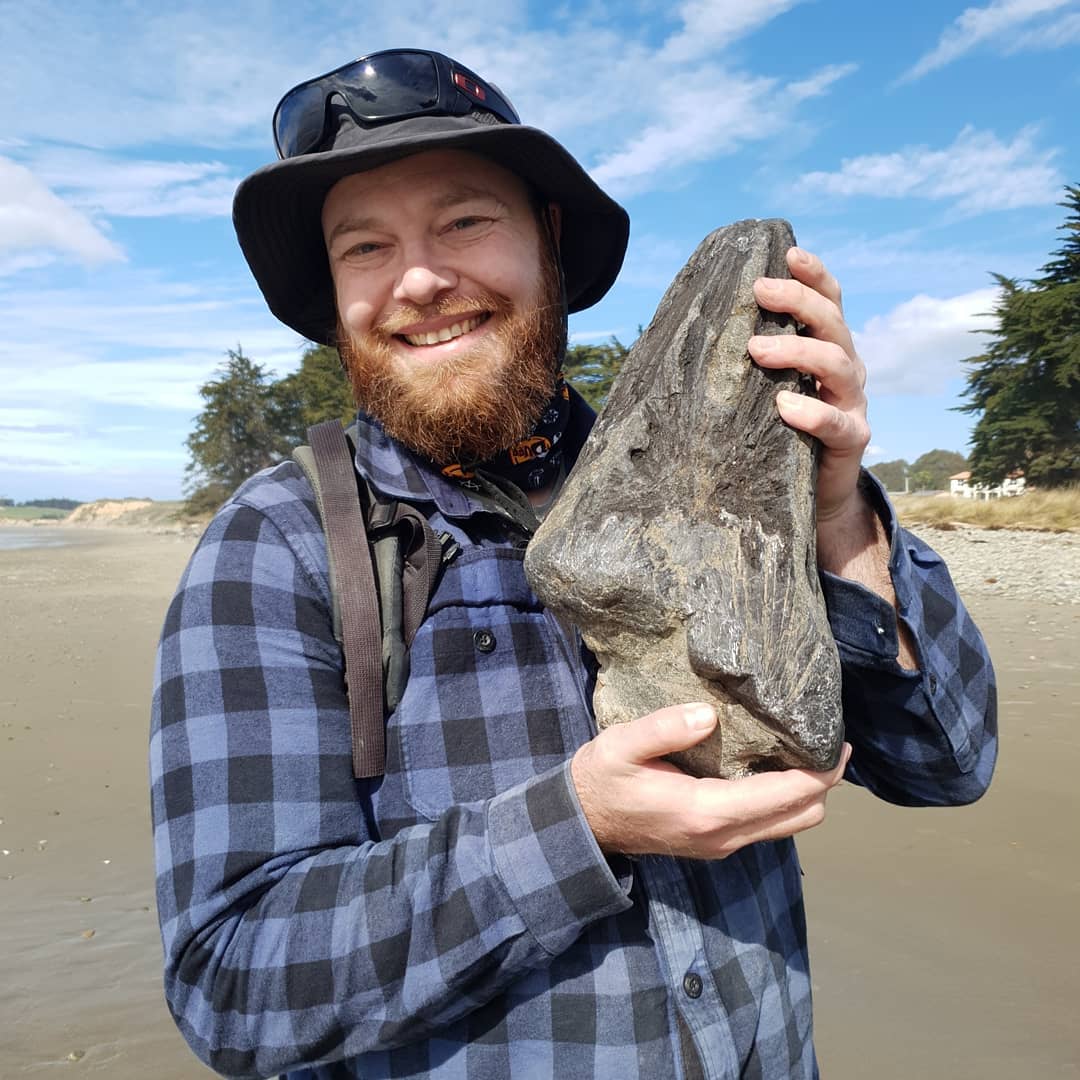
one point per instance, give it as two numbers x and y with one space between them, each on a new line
554 212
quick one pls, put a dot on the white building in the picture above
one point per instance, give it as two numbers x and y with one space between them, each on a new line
960 485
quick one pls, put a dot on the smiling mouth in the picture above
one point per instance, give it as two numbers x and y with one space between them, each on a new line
446 333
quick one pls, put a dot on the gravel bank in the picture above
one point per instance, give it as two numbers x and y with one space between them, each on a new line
1015 563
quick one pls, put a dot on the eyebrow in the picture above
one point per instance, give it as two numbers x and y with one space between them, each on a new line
455 197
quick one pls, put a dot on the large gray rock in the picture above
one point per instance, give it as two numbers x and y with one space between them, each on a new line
683 545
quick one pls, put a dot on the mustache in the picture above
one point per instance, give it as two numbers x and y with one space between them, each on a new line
406 315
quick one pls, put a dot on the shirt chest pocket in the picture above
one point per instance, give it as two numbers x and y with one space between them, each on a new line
492 698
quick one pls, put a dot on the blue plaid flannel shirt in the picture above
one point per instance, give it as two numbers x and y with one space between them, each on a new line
456 917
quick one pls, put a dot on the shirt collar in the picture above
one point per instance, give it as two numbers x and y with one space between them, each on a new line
397 472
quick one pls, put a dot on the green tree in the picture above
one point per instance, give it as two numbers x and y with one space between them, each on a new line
234 434
1025 388
318 390
891 473
932 470
591 369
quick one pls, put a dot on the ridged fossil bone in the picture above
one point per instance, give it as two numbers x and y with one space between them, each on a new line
683 544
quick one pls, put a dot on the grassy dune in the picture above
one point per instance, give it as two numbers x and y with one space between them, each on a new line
134 513
1042 511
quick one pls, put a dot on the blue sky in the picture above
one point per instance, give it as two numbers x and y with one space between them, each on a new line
916 147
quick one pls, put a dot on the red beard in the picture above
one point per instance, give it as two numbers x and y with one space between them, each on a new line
472 406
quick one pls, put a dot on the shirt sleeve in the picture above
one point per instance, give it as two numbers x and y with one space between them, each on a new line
919 738
293 932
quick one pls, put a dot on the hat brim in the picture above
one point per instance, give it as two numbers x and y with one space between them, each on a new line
277 212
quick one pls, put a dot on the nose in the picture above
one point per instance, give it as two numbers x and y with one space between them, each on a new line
423 278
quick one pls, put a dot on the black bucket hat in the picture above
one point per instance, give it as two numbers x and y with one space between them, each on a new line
277 211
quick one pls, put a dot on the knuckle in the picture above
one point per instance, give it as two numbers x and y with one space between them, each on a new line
603 753
841 357
862 432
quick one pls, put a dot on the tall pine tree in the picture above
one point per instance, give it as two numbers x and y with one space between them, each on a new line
234 434
1026 386
318 390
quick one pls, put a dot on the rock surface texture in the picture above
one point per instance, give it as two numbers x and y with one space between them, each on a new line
683 544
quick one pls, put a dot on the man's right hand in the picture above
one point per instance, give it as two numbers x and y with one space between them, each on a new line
638 804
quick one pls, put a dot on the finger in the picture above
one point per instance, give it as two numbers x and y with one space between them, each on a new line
773 806
778 828
818 313
840 373
811 811
662 732
763 798
837 429
810 270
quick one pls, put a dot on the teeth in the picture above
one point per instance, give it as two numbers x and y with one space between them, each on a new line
447 333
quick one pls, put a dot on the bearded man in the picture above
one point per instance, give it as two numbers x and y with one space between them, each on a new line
517 896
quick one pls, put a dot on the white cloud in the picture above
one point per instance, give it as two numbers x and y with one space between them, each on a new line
17 263
710 25
33 219
715 113
916 348
820 82
1054 35
977 172
122 187
998 22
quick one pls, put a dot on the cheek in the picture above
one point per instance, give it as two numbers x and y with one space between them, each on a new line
512 278
357 308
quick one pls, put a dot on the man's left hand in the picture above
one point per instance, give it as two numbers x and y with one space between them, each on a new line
827 352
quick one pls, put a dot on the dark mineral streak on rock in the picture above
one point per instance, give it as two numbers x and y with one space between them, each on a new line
683 544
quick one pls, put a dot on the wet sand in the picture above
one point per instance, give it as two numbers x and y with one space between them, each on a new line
80 626
944 942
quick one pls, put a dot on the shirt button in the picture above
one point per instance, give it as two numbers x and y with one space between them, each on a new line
692 984
933 684
484 640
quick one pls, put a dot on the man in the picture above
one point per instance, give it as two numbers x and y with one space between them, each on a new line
517 896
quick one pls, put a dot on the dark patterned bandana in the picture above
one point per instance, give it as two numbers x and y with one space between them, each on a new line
536 460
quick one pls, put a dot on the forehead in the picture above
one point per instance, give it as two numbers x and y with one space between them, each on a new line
430 177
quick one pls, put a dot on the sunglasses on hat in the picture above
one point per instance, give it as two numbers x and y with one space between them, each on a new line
382 88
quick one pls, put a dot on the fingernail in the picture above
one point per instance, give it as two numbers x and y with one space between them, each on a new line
700 716
766 284
800 255
761 343
791 402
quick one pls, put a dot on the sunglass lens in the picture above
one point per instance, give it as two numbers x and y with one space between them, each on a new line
299 120
396 84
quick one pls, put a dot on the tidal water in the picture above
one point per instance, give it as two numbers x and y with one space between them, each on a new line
15 538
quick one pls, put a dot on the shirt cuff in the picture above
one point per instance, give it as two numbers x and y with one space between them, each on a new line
550 863
862 622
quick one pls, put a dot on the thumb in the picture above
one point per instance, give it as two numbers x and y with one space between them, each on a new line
662 732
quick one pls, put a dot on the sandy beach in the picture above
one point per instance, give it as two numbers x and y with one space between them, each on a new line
945 943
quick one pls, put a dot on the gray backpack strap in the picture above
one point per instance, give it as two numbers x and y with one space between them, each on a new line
408 558
352 586
404 561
